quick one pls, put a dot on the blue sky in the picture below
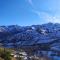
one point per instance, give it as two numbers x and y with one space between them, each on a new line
29 12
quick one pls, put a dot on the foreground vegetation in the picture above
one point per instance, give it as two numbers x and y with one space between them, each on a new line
5 54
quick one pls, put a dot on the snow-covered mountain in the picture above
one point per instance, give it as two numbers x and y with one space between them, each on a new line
45 36
29 34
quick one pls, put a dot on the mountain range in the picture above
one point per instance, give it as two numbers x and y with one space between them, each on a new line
46 36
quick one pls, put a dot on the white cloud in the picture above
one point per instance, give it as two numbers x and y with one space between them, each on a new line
30 2
47 17
44 15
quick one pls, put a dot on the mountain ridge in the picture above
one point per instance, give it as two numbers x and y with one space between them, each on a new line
41 33
45 37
